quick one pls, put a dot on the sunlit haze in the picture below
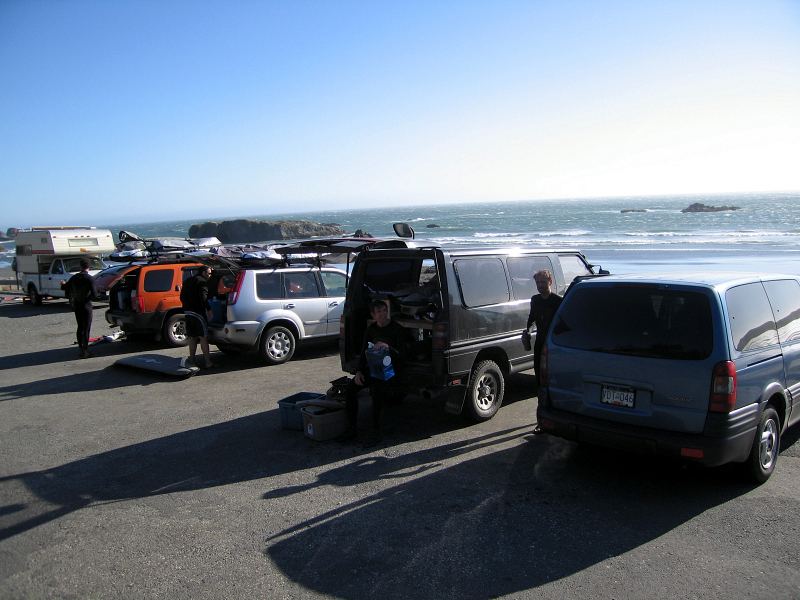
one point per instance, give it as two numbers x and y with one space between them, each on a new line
138 111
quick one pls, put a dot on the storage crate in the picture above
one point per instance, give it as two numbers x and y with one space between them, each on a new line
320 423
290 413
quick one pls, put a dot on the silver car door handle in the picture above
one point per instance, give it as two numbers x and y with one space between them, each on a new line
334 303
290 305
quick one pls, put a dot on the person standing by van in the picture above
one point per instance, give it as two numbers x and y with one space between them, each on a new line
81 290
543 308
194 298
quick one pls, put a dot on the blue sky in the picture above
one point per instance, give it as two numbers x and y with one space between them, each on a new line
155 110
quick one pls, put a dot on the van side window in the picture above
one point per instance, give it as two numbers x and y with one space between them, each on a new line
784 296
521 269
572 266
750 316
268 286
158 280
482 281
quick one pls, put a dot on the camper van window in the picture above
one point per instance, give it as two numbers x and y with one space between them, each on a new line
521 269
25 250
482 281
158 280
82 242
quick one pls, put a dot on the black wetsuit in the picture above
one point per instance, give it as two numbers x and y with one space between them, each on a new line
398 339
194 299
81 290
542 311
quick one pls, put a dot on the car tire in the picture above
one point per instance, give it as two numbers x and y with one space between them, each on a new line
174 332
766 446
485 391
34 295
277 345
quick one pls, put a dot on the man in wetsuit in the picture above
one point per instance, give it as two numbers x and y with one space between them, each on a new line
381 334
81 290
194 298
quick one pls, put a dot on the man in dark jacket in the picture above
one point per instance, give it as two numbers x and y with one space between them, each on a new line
194 298
81 290
385 339
543 307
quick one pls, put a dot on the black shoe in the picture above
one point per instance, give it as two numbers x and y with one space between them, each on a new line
537 430
86 354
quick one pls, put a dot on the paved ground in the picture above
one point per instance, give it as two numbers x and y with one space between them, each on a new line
119 484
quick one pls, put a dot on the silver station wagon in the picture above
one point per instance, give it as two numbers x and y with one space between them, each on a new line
700 366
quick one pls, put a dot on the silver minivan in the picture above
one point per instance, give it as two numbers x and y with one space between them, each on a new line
700 366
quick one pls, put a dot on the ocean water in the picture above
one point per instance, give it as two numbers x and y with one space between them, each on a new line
763 235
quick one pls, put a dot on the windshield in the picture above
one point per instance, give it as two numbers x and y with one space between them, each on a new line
636 320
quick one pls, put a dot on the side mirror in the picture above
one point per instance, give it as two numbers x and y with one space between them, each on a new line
403 230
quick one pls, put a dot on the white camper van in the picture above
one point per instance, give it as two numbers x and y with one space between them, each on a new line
49 256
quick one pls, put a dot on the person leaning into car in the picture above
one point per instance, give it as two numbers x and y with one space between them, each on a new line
382 333
194 298
543 307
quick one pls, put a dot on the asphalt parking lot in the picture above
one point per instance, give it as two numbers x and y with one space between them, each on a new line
121 484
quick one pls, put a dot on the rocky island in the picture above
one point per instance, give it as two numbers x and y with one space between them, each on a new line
243 231
700 207
633 210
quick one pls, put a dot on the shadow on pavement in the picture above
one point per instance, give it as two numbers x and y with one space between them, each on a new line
503 521
243 449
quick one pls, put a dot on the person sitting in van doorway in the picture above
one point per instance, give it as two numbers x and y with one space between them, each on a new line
81 290
383 336
194 298
543 307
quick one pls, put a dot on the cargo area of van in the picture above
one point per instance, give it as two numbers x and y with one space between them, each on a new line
410 284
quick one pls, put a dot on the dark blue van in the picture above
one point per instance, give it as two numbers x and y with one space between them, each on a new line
700 366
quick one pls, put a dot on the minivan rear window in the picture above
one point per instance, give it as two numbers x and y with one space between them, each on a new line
636 320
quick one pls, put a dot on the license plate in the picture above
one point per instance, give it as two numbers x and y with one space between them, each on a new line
617 396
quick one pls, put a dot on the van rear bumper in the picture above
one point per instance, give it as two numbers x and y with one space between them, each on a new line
725 446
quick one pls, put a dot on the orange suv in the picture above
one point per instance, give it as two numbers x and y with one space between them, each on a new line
145 299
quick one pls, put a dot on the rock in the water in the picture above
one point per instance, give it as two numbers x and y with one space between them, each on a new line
431 225
241 231
360 233
700 207
630 210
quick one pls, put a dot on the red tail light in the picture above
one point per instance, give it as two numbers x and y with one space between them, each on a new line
543 373
723 388
137 302
233 296
440 336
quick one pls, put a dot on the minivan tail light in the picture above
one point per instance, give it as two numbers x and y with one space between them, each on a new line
723 388
233 296
440 336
